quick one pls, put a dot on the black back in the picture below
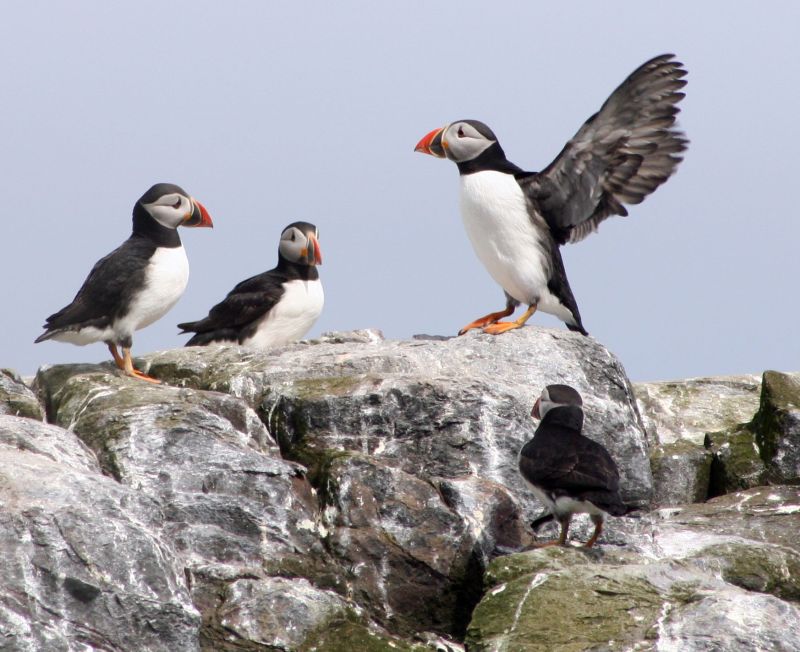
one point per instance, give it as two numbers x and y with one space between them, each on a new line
107 292
561 461
236 317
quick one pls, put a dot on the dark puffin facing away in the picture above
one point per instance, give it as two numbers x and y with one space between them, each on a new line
137 283
569 473
273 308
517 220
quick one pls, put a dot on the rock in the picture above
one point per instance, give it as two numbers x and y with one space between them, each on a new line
231 506
424 428
736 461
777 427
278 613
678 416
16 398
766 450
415 562
352 493
442 408
80 565
686 410
724 569
681 473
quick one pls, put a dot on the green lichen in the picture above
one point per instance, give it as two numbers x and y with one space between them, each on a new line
311 389
766 569
663 461
351 634
779 394
737 462
16 399
573 609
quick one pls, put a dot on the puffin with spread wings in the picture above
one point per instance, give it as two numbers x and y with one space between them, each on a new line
517 220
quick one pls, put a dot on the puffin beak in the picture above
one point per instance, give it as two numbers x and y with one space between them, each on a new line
535 410
199 216
313 253
432 143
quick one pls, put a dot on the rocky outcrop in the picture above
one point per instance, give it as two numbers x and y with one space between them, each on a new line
16 398
678 418
711 436
721 575
352 491
81 564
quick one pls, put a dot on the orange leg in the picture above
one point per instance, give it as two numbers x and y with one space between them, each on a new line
491 318
562 537
129 369
503 326
598 528
115 354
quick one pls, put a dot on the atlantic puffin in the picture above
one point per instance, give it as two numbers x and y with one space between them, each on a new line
273 308
568 472
137 283
516 220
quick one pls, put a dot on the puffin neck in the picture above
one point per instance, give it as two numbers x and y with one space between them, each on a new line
296 270
566 416
492 158
145 226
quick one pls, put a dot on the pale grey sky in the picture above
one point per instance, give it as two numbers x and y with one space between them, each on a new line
274 112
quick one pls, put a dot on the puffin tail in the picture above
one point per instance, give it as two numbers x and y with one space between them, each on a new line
577 327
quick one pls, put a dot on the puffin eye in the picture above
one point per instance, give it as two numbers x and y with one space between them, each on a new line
461 132
294 236
177 204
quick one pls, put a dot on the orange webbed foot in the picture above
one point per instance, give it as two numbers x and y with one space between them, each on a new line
491 318
501 327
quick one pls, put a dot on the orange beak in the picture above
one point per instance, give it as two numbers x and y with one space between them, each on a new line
199 216
535 410
313 253
432 144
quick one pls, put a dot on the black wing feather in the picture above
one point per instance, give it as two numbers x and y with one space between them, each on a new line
107 290
247 303
619 156
569 462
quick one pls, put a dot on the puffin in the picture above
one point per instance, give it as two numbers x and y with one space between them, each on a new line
517 220
137 283
568 472
273 308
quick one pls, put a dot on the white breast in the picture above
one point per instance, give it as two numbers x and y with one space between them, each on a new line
292 317
496 218
166 277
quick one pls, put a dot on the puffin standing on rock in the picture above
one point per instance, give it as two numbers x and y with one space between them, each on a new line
273 308
569 473
137 283
516 220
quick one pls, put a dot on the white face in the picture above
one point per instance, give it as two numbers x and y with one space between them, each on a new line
297 247
463 142
545 404
170 210
565 396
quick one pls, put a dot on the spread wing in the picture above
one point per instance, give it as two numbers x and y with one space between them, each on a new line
246 303
619 156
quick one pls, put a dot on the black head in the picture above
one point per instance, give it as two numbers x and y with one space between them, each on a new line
554 396
300 244
460 141
171 206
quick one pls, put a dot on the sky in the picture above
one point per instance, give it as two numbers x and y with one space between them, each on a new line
271 112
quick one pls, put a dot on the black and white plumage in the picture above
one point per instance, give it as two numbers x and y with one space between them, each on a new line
516 220
568 472
273 308
137 283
